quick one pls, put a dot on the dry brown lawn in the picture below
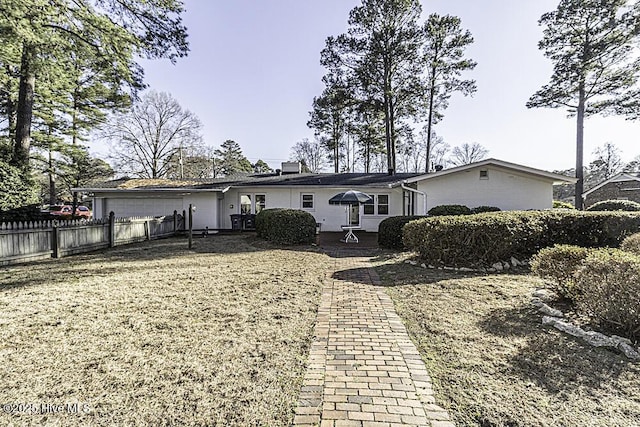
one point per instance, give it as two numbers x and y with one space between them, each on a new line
492 361
154 334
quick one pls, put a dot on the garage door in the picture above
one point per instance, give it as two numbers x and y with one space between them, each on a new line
143 207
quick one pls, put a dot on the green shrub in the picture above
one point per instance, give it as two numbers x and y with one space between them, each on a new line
559 264
483 209
615 205
484 239
15 190
609 284
474 240
589 229
631 244
557 204
286 226
390 231
24 213
449 210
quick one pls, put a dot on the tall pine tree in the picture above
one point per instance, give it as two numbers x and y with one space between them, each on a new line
444 49
381 51
590 43
117 31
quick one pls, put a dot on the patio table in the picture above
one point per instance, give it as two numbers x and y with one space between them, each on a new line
350 237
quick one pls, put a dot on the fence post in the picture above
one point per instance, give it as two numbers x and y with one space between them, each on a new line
190 225
184 220
147 230
175 222
54 242
112 229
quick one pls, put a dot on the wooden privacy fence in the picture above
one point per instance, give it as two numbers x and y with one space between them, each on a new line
28 241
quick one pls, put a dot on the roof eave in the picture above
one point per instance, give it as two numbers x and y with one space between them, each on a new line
610 180
556 178
143 189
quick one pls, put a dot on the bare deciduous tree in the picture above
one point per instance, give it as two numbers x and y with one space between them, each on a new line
146 139
607 163
312 154
467 154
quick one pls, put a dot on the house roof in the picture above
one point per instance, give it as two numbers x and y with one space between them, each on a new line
326 180
554 177
339 180
621 177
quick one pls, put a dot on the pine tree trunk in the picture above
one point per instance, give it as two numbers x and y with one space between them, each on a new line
367 156
24 113
388 119
432 95
336 146
74 205
53 197
393 137
580 148
387 134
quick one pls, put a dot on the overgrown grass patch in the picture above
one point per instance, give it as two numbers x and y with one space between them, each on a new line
154 334
492 361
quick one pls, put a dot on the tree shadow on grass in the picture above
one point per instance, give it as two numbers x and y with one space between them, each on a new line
356 275
403 274
105 262
54 275
400 274
550 359
142 256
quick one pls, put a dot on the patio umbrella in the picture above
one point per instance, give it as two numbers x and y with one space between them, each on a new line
351 197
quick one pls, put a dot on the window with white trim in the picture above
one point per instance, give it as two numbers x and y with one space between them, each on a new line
378 205
383 204
261 202
370 207
246 203
252 203
307 201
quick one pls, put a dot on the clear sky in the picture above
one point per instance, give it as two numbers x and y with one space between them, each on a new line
254 69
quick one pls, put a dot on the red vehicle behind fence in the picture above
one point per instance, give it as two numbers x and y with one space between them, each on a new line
64 212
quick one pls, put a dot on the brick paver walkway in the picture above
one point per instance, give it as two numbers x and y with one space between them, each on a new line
363 368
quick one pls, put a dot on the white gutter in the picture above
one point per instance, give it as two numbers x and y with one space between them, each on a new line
413 190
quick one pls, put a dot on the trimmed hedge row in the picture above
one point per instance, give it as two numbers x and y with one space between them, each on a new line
484 209
286 226
449 210
557 204
390 231
460 210
484 239
615 205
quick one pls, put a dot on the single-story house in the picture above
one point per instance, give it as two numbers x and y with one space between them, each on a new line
488 182
623 186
